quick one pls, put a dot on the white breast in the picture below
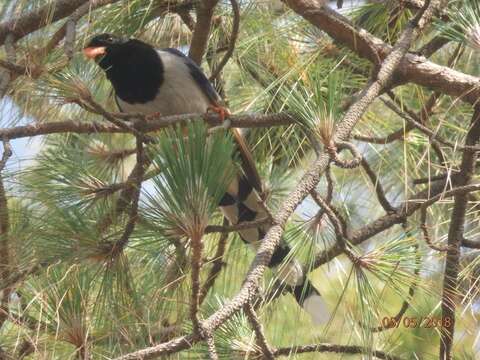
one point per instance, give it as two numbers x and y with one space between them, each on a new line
179 93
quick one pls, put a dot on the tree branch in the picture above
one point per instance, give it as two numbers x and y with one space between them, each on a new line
217 264
233 40
382 198
258 329
201 32
5 261
455 236
333 348
413 68
240 121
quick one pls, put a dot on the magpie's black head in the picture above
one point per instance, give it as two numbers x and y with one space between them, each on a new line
133 67
106 49
109 50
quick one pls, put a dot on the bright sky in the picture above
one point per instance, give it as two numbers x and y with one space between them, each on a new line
23 149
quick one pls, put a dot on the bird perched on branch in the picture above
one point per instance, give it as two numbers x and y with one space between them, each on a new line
167 82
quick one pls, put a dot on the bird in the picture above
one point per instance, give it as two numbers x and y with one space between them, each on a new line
165 81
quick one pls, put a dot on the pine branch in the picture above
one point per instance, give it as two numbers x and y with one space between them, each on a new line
233 40
136 178
388 139
413 68
239 121
455 237
5 261
201 32
212 350
36 19
333 348
426 233
254 321
217 264
382 198
196 245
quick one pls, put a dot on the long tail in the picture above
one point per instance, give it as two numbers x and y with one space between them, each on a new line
242 203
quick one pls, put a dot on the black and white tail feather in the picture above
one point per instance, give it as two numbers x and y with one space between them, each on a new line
167 82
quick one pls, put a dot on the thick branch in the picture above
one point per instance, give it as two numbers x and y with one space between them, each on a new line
201 32
36 19
233 40
455 236
413 68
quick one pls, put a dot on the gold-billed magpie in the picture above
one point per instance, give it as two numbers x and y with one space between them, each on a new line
167 82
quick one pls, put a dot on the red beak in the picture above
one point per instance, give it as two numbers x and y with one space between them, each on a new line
93 52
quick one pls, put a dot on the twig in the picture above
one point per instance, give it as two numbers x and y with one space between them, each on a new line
426 234
217 264
472 244
186 18
137 177
328 177
344 164
382 198
98 109
258 329
436 191
337 221
233 40
394 136
430 179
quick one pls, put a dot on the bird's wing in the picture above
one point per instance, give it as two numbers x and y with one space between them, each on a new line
204 84
197 74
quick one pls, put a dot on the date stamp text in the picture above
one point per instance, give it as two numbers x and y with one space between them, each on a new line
422 322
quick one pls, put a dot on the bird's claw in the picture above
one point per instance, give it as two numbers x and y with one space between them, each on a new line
153 116
222 112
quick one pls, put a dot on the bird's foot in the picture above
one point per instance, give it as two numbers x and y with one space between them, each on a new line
153 116
222 112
